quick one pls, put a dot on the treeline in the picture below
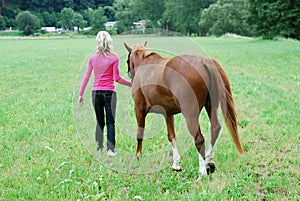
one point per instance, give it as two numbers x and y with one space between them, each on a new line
267 18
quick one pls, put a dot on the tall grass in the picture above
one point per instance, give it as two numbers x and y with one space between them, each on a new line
43 155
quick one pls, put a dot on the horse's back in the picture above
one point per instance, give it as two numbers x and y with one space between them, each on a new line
177 84
187 78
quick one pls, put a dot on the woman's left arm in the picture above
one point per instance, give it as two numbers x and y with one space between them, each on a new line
117 77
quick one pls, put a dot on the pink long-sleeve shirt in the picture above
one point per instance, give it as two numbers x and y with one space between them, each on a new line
106 72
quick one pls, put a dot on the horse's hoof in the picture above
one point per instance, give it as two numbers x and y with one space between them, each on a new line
176 167
210 167
138 156
176 170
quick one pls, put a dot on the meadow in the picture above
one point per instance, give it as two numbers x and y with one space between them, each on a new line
46 140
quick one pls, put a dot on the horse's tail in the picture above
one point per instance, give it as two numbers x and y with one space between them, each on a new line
227 105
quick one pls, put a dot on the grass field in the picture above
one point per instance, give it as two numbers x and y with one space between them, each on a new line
44 136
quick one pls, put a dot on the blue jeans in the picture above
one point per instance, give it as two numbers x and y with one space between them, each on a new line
104 103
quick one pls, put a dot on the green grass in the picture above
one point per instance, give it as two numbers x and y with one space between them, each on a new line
44 152
11 33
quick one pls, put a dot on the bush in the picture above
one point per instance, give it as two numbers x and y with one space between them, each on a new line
27 22
112 32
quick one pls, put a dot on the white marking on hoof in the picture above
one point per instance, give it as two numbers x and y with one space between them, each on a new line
209 153
176 167
176 157
202 166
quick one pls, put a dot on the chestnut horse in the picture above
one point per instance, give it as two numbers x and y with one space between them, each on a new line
186 84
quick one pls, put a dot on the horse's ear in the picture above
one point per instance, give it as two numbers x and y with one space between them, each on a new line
127 47
145 44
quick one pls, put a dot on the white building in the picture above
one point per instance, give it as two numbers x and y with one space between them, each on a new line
109 25
140 24
49 29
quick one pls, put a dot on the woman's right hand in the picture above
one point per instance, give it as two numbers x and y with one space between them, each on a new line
80 101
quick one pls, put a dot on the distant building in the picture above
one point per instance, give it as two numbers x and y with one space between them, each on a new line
87 28
49 29
140 24
139 27
110 25
61 31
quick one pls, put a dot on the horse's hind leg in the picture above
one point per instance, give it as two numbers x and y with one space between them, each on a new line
172 139
194 129
215 130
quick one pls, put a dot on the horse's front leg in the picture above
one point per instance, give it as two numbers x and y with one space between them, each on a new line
172 139
139 137
140 117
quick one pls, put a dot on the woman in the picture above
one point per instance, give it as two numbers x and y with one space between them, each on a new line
105 65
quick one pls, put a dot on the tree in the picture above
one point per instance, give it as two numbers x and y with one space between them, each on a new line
27 22
66 18
187 14
9 14
150 10
78 21
289 21
225 16
275 18
88 15
97 19
80 5
1 6
124 15
104 2
48 19
208 17
110 12
58 5
2 23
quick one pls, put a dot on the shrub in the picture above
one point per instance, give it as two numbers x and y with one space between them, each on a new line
27 22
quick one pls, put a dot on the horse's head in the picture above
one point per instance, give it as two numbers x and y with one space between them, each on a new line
136 54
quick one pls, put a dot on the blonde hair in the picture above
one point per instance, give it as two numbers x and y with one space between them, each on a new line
104 42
